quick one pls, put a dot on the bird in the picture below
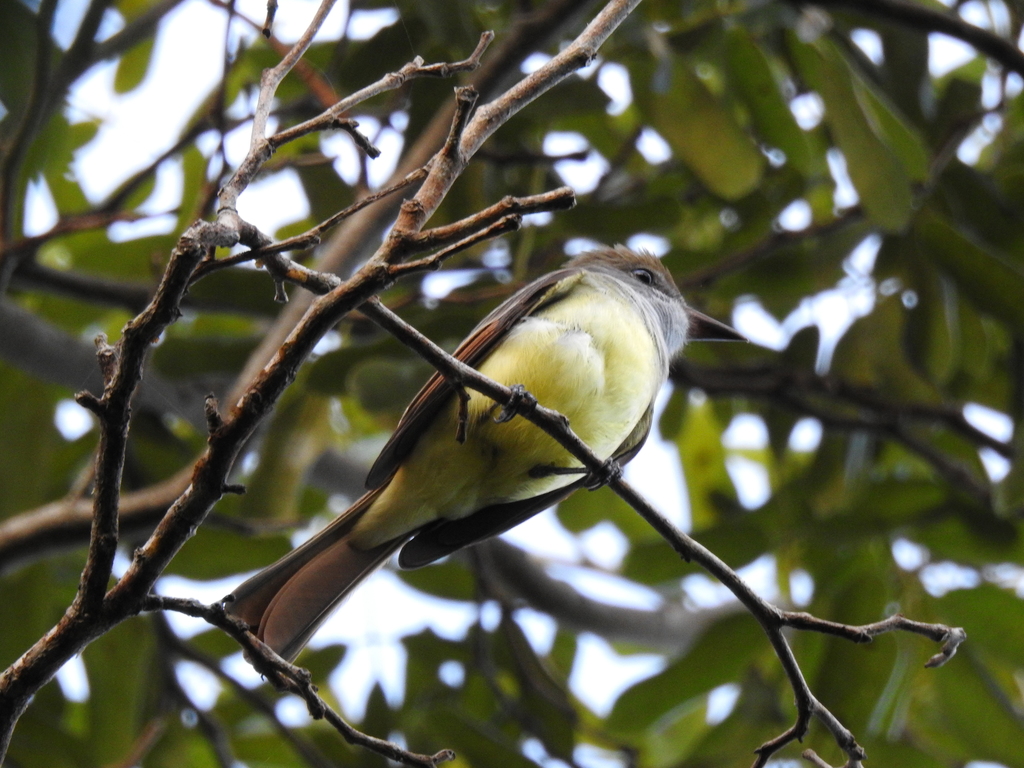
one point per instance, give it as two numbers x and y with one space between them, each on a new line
592 341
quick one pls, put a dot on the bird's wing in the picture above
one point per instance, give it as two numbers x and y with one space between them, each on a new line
446 536
480 342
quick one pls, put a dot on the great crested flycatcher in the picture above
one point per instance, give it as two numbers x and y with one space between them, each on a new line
592 341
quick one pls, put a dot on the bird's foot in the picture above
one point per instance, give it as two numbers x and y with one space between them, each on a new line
610 471
520 402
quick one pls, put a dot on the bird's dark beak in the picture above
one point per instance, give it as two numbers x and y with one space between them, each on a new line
704 328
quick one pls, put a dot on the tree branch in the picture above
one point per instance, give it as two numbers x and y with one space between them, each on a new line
304 748
924 19
771 618
839 405
519 577
209 478
285 676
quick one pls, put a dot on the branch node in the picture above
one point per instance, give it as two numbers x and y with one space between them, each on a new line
269 23
107 356
465 99
90 402
280 294
812 757
350 126
954 637
213 418
236 488
251 236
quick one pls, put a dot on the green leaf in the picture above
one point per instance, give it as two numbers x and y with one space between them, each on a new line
180 745
449 580
718 658
705 136
968 718
187 358
751 73
604 222
1009 492
18 42
133 66
903 139
32 443
654 562
300 431
213 554
871 354
123 681
387 384
992 617
992 283
881 179
700 447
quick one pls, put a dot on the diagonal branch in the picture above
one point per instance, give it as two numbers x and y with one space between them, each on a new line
303 747
288 677
839 405
926 19
771 618
94 613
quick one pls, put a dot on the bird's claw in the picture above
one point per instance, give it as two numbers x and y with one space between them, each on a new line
610 471
520 402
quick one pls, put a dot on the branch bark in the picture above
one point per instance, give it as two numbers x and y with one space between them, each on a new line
96 610
925 19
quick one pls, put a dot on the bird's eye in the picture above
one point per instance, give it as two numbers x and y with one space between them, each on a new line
645 276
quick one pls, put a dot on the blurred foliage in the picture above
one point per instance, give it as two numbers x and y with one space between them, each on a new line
736 113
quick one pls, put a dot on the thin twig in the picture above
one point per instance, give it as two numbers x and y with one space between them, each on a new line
839 405
261 148
311 236
303 747
289 677
433 262
772 619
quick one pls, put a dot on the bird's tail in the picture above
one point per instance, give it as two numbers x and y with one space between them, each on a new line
286 602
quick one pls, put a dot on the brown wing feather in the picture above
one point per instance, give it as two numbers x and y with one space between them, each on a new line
480 342
446 536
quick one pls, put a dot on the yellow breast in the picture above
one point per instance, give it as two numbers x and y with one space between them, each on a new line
588 356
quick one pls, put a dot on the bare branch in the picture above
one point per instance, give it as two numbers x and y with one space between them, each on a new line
493 115
261 148
432 263
839 405
925 19
306 749
288 677
771 619
312 236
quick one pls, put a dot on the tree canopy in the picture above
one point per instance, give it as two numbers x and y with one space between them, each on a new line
822 175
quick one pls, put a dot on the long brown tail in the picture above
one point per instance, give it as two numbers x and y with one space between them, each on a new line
287 601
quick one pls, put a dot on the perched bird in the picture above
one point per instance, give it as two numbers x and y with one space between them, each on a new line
592 341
